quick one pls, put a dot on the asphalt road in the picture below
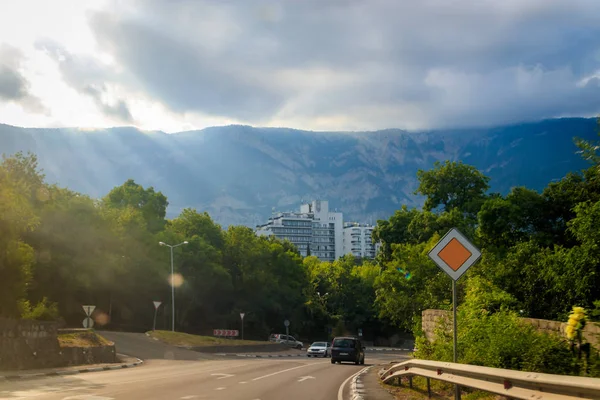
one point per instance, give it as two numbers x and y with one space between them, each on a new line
173 373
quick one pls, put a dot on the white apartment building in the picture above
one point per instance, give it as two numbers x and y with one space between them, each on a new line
314 230
358 241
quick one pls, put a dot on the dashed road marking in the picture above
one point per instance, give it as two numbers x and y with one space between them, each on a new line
220 388
282 371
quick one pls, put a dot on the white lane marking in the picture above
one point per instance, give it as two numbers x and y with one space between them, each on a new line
305 378
87 397
220 388
193 396
223 376
282 371
243 382
341 389
176 374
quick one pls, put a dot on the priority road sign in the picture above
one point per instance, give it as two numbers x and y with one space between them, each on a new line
454 254
89 310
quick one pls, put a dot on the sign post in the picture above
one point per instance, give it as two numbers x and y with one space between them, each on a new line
454 254
242 317
156 305
88 322
287 330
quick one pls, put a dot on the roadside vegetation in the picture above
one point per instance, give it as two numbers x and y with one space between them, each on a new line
82 339
60 249
186 339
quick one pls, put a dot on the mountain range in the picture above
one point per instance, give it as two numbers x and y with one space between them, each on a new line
240 174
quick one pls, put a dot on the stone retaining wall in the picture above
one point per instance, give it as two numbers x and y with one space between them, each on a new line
431 318
88 355
28 344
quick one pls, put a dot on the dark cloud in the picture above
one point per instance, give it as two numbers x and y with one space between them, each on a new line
119 110
186 77
13 85
377 63
88 76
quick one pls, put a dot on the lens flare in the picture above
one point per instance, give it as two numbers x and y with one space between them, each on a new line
175 280
101 318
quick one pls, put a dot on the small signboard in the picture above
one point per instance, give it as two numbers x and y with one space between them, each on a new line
226 332
88 310
157 304
454 254
242 315
286 323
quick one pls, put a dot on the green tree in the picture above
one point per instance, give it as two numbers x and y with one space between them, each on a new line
411 283
17 217
152 204
453 185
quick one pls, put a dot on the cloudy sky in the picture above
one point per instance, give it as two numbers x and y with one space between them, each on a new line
309 64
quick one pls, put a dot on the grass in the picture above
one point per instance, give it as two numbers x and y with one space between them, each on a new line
439 390
82 339
185 339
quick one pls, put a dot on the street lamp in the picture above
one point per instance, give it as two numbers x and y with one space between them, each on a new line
172 279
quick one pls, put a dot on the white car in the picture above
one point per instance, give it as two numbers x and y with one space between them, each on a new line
286 339
319 349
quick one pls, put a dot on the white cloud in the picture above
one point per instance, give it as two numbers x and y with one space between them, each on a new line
331 65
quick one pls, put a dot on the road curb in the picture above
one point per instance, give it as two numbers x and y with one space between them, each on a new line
259 355
72 371
388 349
357 388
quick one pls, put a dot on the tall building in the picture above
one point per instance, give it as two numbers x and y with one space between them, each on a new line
358 241
314 230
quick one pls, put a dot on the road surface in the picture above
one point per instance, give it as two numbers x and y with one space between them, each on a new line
172 373
186 380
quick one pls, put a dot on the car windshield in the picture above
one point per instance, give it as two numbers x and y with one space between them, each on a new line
343 343
319 344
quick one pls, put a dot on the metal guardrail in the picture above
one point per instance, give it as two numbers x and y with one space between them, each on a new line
509 383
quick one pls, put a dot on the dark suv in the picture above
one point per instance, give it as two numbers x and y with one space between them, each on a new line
347 349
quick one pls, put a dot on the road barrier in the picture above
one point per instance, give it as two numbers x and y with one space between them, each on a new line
504 382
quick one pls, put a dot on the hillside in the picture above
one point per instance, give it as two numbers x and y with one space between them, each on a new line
239 173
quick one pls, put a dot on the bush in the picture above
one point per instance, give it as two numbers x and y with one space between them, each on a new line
45 310
497 339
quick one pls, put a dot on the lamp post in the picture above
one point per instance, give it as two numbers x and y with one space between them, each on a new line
172 283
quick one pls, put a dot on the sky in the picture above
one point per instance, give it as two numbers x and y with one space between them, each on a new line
177 65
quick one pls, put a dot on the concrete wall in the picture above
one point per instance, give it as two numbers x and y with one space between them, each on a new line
88 355
27 344
431 318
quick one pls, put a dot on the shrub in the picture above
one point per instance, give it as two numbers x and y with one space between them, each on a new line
45 310
497 339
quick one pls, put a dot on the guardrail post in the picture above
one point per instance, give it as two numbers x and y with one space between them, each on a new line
428 388
410 382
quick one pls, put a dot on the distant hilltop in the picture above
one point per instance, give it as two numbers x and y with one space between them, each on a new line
238 174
